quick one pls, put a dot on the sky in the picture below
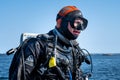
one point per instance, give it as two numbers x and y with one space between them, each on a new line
39 16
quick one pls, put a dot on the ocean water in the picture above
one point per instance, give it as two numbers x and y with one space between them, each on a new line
104 67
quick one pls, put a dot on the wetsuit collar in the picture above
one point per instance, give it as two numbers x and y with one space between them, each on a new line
61 37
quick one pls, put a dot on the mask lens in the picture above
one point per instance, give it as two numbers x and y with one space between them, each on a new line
79 24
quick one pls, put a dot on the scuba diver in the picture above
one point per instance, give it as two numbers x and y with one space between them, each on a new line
55 55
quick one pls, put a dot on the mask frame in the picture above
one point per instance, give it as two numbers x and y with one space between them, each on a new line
71 17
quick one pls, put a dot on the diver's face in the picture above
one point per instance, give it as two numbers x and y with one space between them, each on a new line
74 29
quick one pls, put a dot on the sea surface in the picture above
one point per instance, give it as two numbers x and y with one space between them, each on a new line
105 67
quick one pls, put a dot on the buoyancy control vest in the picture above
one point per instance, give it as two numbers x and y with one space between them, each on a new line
61 60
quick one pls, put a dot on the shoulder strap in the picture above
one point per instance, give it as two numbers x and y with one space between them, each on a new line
45 38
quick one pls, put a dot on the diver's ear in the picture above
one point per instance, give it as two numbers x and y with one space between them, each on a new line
58 23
